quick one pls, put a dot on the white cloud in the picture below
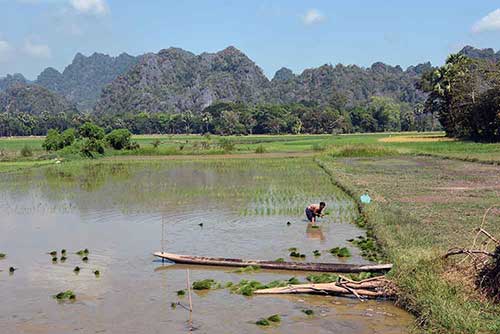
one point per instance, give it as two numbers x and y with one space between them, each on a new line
313 16
95 7
37 50
5 51
490 22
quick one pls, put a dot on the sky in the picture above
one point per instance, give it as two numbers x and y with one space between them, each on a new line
35 34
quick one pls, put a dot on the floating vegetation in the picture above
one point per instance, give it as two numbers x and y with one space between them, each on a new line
274 318
297 255
205 284
322 278
263 322
85 259
247 269
181 293
77 269
308 312
316 253
340 251
53 253
83 252
97 272
280 259
248 287
369 248
68 294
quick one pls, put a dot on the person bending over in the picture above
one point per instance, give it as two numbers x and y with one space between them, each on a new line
315 210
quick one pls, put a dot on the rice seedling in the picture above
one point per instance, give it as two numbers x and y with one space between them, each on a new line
63 251
85 259
297 255
205 284
181 293
2 255
54 259
280 259
274 318
63 258
65 295
322 278
308 312
76 269
263 322
12 269
316 253
340 252
97 273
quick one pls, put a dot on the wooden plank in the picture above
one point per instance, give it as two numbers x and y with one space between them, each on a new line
302 266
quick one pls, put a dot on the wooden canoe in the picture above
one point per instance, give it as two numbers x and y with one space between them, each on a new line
302 266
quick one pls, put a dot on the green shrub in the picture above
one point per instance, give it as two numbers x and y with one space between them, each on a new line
67 137
119 139
26 151
92 146
52 140
91 131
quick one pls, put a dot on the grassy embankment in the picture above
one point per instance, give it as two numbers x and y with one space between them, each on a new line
422 207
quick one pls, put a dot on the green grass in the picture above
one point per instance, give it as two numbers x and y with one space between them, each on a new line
422 206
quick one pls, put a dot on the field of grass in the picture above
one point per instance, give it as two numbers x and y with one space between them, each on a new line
405 143
422 207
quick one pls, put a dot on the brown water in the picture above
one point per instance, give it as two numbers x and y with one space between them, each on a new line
118 212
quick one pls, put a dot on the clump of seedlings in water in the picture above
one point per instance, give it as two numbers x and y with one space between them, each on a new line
63 252
247 270
288 223
2 255
308 312
97 272
247 288
63 258
65 295
173 305
280 259
205 284
368 246
54 259
12 269
77 269
53 253
83 252
322 278
293 249
297 255
316 253
85 259
340 251
275 319
181 293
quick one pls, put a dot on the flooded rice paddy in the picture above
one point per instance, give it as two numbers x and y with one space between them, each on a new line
122 212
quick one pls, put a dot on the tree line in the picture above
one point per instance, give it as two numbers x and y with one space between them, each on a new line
465 95
229 118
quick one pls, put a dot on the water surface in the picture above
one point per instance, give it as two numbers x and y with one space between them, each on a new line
124 212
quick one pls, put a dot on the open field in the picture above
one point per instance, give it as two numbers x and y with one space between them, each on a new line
433 143
422 207
429 194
